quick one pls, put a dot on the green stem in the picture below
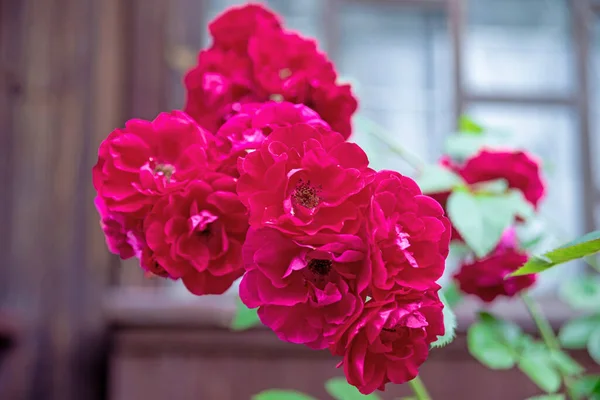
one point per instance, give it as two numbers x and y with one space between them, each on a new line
547 333
419 389
378 132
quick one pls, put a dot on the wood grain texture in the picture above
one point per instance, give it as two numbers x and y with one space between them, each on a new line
58 101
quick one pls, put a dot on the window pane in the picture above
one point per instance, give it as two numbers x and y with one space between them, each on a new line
400 59
595 109
518 46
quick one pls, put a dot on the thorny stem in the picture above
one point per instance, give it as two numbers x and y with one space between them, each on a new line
547 334
419 389
378 132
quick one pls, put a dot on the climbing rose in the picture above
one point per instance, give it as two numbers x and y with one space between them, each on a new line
261 62
389 340
197 233
305 287
520 170
232 29
255 121
486 278
305 180
409 233
146 159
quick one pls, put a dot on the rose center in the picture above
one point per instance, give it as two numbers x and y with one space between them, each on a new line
166 170
319 267
285 73
306 195
200 223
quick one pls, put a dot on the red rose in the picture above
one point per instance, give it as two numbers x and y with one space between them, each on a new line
303 180
146 159
254 122
124 235
410 235
518 168
290 66
218 86
197 233
486 278
305 287
233 28
389 340
257 61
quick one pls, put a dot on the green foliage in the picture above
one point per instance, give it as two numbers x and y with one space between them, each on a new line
482 218
593 344
244 317
548 397
494 342
576 333
587 388
279 394
340 389
582 247
435 178
467 125
501 345
449 324
582 293
452 294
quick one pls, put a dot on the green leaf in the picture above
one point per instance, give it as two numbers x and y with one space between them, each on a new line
584 246
585 387
536 363
244 317
340 389
452 294
467 125
582 293
593 345
436 178
492 342
496 186
480 219
565 363
279 394
559 396
449 325
576 333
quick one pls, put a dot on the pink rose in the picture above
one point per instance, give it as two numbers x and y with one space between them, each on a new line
255 121
146 159
197 233
233 28
305 287
486 278
389 340
410 235
304 180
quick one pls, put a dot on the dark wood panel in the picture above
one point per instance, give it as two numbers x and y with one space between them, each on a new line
216 364
57 103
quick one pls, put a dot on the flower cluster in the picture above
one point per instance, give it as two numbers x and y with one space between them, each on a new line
257 179
486 278
342 257
253 59
164 196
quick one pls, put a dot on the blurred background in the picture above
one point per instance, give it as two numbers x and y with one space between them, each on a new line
78 323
